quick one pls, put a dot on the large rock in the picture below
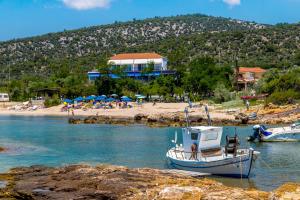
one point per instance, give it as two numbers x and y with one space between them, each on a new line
243 117
139 117
113 182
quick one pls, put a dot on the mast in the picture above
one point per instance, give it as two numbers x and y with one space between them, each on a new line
186 111
208 116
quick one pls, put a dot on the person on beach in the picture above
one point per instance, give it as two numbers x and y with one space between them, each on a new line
154 103
247 105
194 151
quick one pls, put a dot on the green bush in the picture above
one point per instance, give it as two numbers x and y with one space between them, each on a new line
52 102
221 94
283 97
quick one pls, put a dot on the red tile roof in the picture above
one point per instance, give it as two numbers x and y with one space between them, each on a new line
253 70
126 56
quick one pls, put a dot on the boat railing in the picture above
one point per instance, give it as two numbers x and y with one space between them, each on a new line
187 155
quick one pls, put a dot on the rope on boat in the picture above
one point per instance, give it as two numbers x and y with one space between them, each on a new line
241 167
264 162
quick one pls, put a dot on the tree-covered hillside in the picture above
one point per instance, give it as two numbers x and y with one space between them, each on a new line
202 49
35 55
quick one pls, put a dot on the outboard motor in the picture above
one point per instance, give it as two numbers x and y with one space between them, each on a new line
256 134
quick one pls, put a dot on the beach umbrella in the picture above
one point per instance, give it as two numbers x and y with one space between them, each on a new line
127 99
79 99
90 98
114 95
100 98
103 95
141 97
138 95
124 97
110 99
68 101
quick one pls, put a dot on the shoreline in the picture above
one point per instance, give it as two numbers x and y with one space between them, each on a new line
166 114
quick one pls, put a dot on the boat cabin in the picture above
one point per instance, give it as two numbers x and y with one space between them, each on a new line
206 139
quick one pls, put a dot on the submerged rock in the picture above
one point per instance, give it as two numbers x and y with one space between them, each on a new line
2 149
113 182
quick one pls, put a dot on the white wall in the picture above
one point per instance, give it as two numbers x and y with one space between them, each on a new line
162 61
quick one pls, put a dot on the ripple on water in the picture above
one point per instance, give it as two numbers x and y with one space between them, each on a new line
18 148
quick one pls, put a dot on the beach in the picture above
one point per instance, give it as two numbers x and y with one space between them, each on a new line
170 112
146 109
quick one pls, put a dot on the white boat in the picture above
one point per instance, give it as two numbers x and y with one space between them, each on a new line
280 134
209 156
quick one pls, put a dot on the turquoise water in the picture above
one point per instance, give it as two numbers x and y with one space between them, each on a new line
52 141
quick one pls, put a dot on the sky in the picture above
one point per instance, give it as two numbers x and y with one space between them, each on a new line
24 18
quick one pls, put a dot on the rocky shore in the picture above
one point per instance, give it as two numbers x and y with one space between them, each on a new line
113 182
178 119
161 120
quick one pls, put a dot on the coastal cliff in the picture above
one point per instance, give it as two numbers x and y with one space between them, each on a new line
114 182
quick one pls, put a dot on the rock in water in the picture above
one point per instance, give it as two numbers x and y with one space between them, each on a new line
2 149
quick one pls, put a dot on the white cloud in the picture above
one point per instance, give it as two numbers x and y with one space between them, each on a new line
86 4
232 2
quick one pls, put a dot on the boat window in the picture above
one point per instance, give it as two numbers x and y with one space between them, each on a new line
194 136
210 136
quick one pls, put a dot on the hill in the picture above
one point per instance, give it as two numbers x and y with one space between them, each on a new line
37 54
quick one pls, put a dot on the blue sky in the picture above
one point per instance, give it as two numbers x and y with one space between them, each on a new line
23 18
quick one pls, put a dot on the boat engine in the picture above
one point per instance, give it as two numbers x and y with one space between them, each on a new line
256 134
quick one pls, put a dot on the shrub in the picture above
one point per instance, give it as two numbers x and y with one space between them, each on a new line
283 97
52 102
221 94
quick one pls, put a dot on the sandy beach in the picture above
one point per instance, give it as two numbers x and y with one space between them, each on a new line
146 109
277 115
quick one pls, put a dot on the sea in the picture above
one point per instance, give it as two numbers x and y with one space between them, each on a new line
51 141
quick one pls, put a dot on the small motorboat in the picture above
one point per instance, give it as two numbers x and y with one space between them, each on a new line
280 134
201 151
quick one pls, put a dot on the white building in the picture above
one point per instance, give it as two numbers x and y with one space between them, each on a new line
136 62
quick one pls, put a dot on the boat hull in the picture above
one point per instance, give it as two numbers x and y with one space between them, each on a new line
282 137
238 167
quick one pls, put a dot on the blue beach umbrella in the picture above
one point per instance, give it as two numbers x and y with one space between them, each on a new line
127 99
124 97
90 98
110 99
79 99
100 98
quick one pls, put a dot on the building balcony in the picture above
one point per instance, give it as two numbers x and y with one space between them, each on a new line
93 75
